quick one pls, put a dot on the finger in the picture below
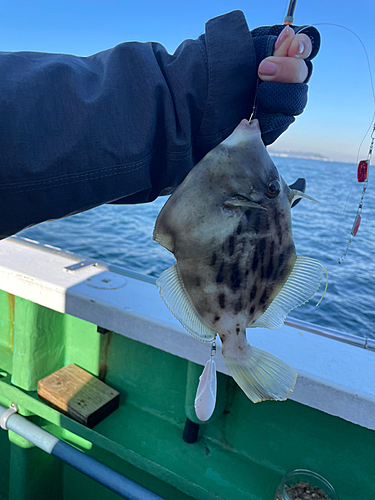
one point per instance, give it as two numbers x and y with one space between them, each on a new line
300 47
283 70
283 42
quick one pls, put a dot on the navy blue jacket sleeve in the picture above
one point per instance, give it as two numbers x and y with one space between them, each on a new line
122 125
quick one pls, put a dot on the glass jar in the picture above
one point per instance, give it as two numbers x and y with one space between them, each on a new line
303 484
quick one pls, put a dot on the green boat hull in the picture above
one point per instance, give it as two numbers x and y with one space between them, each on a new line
240 454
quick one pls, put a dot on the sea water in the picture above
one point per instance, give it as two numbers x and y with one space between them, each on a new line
122 235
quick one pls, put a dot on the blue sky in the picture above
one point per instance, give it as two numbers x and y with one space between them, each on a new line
341 104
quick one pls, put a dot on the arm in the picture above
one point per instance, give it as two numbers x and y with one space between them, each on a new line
124 124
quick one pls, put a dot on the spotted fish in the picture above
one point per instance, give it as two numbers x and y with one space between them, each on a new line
229 227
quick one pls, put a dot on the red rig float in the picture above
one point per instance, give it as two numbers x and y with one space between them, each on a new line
362 177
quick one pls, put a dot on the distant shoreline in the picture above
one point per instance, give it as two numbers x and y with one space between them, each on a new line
304 156
307 156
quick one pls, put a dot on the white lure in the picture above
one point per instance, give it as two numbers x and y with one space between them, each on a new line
205 399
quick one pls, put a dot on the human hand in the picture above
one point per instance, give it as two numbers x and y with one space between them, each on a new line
282 96
287 64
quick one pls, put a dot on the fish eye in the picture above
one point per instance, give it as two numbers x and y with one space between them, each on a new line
273 188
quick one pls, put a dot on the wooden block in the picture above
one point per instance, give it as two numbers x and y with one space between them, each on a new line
79 395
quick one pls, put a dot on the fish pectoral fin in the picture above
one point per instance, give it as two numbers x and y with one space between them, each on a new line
175 296
303 282
241 201
262 375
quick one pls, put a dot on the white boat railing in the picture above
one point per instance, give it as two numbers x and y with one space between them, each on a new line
347 338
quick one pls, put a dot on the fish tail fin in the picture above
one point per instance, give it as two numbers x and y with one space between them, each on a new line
261 375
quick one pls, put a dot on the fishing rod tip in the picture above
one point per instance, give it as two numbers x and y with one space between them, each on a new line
288 20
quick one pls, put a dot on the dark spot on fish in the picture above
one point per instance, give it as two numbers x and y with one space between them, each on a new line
280 236
289 250
197 281
240 348
213 259
237 329
238 307
264 297
277 275
252 309
247 273
262 274
262 247
270 264
276 218
272 249
253 293
222 337
256 225
222 300
220 275
231 245
269 269
282 269
239 228
235 277
286 254
255 262
216 319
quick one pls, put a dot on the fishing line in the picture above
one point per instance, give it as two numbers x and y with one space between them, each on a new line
325 289
363 165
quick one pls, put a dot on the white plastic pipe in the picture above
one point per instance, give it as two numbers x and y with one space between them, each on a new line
101 473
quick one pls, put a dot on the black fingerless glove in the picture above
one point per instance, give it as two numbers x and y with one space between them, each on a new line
278 103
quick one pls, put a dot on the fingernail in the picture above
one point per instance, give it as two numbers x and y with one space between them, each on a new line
268 68
301 50
283 36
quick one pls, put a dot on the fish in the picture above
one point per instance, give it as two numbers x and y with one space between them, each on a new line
228 225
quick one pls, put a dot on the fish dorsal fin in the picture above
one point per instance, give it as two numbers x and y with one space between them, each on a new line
303 282
173 292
